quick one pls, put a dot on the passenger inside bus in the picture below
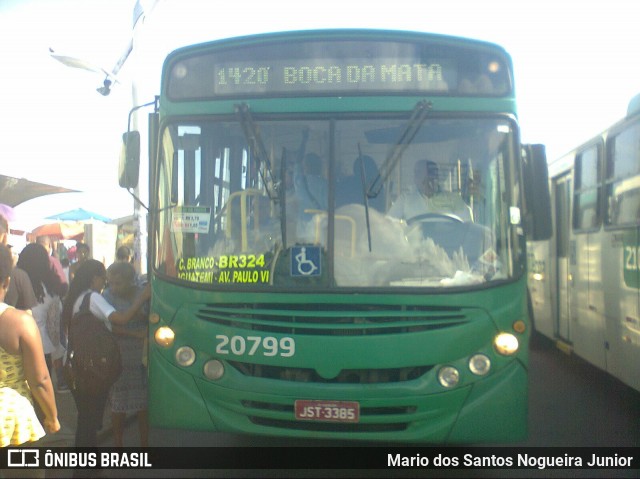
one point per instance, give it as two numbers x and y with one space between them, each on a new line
291 203
350 189
428 197
264 224
310 184
252 222
310 187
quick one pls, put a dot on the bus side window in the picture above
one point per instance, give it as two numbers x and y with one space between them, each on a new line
623 178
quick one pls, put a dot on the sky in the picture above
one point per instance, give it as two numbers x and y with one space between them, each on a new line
576 68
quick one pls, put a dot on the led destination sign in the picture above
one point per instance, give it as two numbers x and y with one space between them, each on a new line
307 76
334 68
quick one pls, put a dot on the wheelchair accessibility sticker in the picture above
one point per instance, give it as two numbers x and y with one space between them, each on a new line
305 261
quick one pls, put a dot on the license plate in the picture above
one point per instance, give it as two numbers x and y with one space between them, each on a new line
327 411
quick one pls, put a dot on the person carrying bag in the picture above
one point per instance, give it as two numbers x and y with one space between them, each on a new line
84 306
93 359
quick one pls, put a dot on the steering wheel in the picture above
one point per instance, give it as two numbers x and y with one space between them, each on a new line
435 216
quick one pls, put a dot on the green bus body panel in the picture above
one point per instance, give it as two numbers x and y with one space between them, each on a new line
340 104
496 408
630 249
183 410
491 408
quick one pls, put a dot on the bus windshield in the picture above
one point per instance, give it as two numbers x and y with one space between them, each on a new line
337 201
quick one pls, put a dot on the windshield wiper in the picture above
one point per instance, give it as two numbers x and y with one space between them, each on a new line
418 115
365 199
257 147
283 196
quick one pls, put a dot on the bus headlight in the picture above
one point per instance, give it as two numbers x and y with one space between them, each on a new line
164 336
448 376
213 369
479 364
506 344
185 356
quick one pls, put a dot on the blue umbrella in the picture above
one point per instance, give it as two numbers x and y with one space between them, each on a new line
79 214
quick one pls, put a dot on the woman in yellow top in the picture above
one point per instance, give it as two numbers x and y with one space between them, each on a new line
23 371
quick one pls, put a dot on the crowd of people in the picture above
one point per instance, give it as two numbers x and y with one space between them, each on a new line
39 293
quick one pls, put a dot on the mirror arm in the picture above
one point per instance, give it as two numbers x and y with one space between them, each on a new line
138 200
155 103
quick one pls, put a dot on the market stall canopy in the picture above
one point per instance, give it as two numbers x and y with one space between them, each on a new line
14 191
79 214
60 230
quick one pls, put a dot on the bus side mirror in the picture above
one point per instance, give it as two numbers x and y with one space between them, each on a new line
129 166
536 193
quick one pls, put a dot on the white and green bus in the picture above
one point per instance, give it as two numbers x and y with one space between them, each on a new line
585 281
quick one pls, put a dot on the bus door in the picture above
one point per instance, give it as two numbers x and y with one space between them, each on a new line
588 310
564 256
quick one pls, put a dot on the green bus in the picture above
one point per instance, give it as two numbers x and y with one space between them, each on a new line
304 281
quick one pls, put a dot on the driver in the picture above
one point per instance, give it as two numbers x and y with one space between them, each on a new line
428 197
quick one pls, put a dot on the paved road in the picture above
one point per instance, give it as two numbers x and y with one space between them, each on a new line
575 404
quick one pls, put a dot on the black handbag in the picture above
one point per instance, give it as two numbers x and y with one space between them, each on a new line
93 361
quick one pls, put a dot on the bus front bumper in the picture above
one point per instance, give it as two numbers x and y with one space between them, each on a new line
493 409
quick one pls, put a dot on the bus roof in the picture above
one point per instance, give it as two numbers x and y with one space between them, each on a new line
337 63
634 106
324 34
